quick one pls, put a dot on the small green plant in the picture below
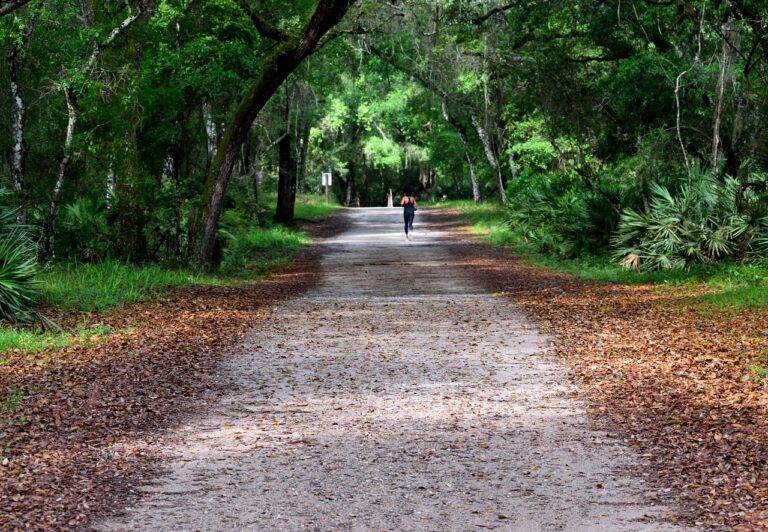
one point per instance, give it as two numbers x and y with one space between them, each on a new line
758 372
13 400
19 286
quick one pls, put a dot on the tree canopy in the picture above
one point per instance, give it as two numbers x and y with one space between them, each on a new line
131 128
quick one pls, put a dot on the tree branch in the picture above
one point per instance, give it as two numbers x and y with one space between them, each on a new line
264 28
496 10
8 6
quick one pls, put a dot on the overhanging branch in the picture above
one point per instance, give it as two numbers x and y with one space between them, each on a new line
8 6
264 28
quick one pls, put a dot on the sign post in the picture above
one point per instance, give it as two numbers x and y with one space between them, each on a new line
326 183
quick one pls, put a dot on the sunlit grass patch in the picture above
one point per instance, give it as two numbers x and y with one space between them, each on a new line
104 285
314 207
260 250
308 206
32 341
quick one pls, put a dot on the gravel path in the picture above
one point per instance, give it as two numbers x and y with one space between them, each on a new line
396 395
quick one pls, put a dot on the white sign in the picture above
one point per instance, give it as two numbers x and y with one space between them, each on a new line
326 179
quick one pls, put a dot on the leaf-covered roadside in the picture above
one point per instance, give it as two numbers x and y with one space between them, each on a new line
677 383
74 422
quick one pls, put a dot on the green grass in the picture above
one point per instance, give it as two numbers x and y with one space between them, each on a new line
308 206
105 285
313 207
758 373
258 251
30 341
13 400
735 286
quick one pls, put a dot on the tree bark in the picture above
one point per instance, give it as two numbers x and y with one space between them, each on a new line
19 156
211 134
49 228
725 66
109 193
489 154
8 6
350 183
303 150
277 66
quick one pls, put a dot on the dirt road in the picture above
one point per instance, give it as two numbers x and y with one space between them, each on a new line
396 395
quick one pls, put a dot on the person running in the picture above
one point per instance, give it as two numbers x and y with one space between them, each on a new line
409 211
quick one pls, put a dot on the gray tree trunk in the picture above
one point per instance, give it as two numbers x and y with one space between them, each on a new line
49 229
489 154
276 67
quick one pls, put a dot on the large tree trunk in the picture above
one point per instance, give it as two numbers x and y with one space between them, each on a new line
490 154
277 66
49 229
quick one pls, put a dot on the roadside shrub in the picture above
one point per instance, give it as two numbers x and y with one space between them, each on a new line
707 220
84 231
259 249
565 215
19 287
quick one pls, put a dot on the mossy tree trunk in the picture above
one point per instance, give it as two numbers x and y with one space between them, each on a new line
277 66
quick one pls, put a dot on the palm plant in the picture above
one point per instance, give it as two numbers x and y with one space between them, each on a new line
702 223
19 287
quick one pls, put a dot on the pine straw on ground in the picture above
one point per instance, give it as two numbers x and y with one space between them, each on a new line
78 440
670 379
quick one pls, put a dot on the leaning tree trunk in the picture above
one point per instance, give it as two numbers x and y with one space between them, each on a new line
490 154
277 66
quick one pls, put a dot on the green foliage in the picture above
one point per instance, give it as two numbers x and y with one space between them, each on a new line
707 220
19 286
84 230
563 214
103 285
32 341
260 250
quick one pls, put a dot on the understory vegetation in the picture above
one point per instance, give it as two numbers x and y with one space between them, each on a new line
179 133
731 285
252 248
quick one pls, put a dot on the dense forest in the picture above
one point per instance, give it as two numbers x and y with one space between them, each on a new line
158 130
